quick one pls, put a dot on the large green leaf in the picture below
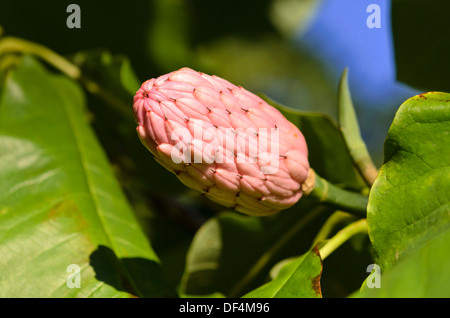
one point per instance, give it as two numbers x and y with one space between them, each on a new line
410 199
299 278
423 274
60 203
149 186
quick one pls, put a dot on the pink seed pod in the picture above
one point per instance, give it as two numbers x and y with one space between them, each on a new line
223 141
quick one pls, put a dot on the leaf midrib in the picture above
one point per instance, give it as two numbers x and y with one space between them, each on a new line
90 185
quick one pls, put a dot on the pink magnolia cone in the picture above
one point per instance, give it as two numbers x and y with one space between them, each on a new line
223 141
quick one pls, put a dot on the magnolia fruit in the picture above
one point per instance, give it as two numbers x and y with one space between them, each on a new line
223 141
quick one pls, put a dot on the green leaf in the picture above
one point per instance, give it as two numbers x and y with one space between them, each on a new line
424 274
148 185
233 253
60 203
409 201
297 279
420 43
349 127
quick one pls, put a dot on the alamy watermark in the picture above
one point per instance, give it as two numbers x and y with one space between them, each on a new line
74 19
74 279
210 143
374 19
374 279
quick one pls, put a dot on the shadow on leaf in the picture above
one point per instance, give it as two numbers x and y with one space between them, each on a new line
139 277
